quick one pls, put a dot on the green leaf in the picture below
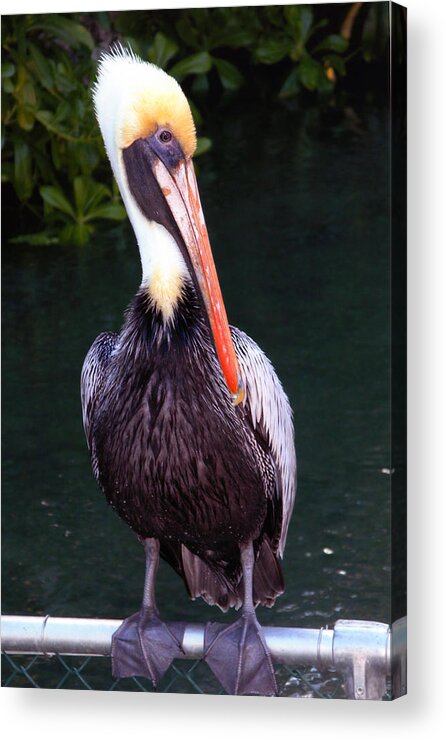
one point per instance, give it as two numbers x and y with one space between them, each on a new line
46 118
82 190
88 194
196 64
54 197
299 19
233 38
43 69
188 33
311 73
77 234
23 182
8 70
86 156
272 50
230 77
306 21
65 80
203 145
292 16
110 211
162 50
25 95
8 85
57 149
64 29
41 238
63 112
333 42
291 86
25 118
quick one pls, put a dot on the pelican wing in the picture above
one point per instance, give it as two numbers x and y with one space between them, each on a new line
270 414
94 372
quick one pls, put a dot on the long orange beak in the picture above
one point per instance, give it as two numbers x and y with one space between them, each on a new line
181 193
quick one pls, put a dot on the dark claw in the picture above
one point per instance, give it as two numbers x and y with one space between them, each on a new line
238 656
145 646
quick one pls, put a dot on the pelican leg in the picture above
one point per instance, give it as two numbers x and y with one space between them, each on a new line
238 654
144 645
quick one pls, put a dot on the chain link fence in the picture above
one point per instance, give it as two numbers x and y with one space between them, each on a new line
185 677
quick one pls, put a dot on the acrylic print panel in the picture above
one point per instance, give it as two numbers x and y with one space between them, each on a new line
299 160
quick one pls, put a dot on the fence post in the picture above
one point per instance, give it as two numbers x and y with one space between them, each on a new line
361 651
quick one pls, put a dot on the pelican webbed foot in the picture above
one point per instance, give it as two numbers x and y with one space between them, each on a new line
145 646
240 644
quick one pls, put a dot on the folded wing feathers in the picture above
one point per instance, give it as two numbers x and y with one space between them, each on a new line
271 414
93 374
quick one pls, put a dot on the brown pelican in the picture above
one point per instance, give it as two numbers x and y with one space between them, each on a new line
189 429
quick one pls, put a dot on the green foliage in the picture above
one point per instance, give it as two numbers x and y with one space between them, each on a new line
264 35
92 201
49 135
52 152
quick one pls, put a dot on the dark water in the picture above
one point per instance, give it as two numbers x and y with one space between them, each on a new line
297 209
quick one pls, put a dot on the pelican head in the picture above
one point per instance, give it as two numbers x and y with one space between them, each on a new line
149 136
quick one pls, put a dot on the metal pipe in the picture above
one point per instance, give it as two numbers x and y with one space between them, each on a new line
74 636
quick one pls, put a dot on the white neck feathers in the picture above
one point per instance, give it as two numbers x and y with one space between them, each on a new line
164 270
129 96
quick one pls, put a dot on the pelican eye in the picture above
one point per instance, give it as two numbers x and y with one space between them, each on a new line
165 136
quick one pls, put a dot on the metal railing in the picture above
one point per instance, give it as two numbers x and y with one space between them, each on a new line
355 659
